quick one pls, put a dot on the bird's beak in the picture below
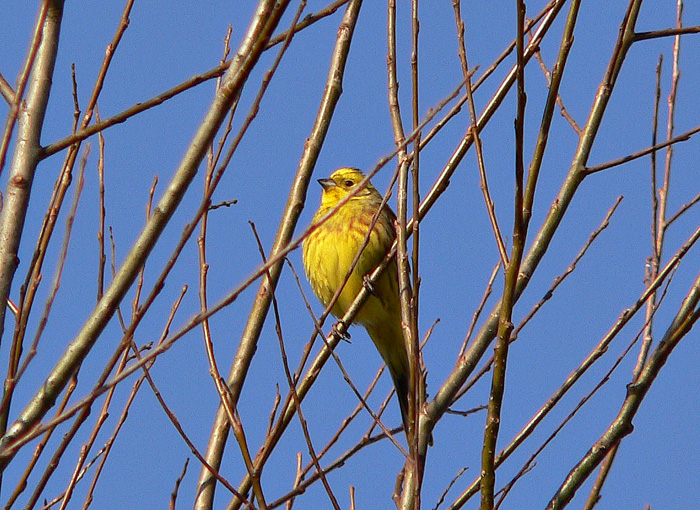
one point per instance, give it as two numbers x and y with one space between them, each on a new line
326 183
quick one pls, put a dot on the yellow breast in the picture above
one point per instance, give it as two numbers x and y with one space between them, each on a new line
330 250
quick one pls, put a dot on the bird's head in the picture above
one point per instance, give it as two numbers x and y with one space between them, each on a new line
343 182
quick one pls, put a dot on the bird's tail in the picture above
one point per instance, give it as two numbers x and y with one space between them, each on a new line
388 339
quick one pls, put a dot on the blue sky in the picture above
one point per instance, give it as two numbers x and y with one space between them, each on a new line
165 44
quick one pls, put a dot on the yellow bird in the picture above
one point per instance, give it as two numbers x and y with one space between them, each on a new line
329 252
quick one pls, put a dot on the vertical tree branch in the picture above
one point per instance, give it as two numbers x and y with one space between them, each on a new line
659 204
418 439
293 208
505 324
27 152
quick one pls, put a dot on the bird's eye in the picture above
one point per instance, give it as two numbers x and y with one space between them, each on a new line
348 183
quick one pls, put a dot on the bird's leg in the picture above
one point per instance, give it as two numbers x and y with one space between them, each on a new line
336 330
369 285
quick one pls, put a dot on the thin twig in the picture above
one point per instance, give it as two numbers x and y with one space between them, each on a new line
560 102
684 137
173 495
480 308
667 32
6 90
292 387
683 209
572 267
474 127
102 258
442 497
